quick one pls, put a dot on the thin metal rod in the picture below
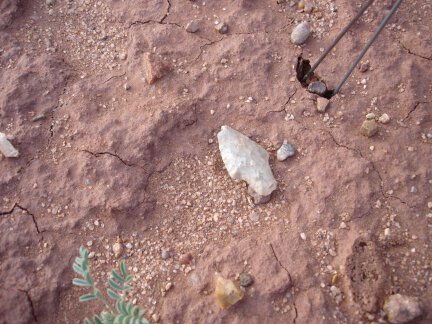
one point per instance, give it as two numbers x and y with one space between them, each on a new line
368 44
338 38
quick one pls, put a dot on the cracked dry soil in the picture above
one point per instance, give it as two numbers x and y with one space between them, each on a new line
104 156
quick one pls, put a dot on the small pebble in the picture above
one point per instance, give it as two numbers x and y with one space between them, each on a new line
384 119
370 116
38 117
284 152
303 236
186 258
429 204
168 286
126 86
122 56
364 67
322 104
317 87
387 231
49 2
300 33
246 279
369 128
343 225
155 318
117 249
166 254
222 28
129 246
402 309
6 147
192 27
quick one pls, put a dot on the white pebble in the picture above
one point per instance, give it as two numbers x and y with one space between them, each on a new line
300 33
6 148
384 119
303 236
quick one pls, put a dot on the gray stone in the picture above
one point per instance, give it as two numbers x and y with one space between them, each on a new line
6 148
317 87
222 28
246 160
192 27
246 279
402 309
285 151
300 33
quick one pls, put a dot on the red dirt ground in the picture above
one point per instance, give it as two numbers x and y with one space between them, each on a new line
105 156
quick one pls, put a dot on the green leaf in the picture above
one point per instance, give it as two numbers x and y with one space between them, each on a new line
129 278
83 252
135 311
123 268
81 282
87 297
116 275
88 278
78 269
97 293
78 261
129 308
113 295
126 319
121 307
87 321
107 317
114 285
84 264
97 319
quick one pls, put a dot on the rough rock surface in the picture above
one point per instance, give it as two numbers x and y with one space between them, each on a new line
246 160
402 309
99 164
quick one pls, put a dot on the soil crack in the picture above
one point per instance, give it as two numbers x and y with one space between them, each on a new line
97 154
418 103
289 276
344 146
167 12
114 76
17 205
30 301
409 51
284 105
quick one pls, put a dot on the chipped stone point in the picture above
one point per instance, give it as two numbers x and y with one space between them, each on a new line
6 148
246 160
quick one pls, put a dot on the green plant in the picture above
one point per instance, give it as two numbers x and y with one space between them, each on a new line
121 312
